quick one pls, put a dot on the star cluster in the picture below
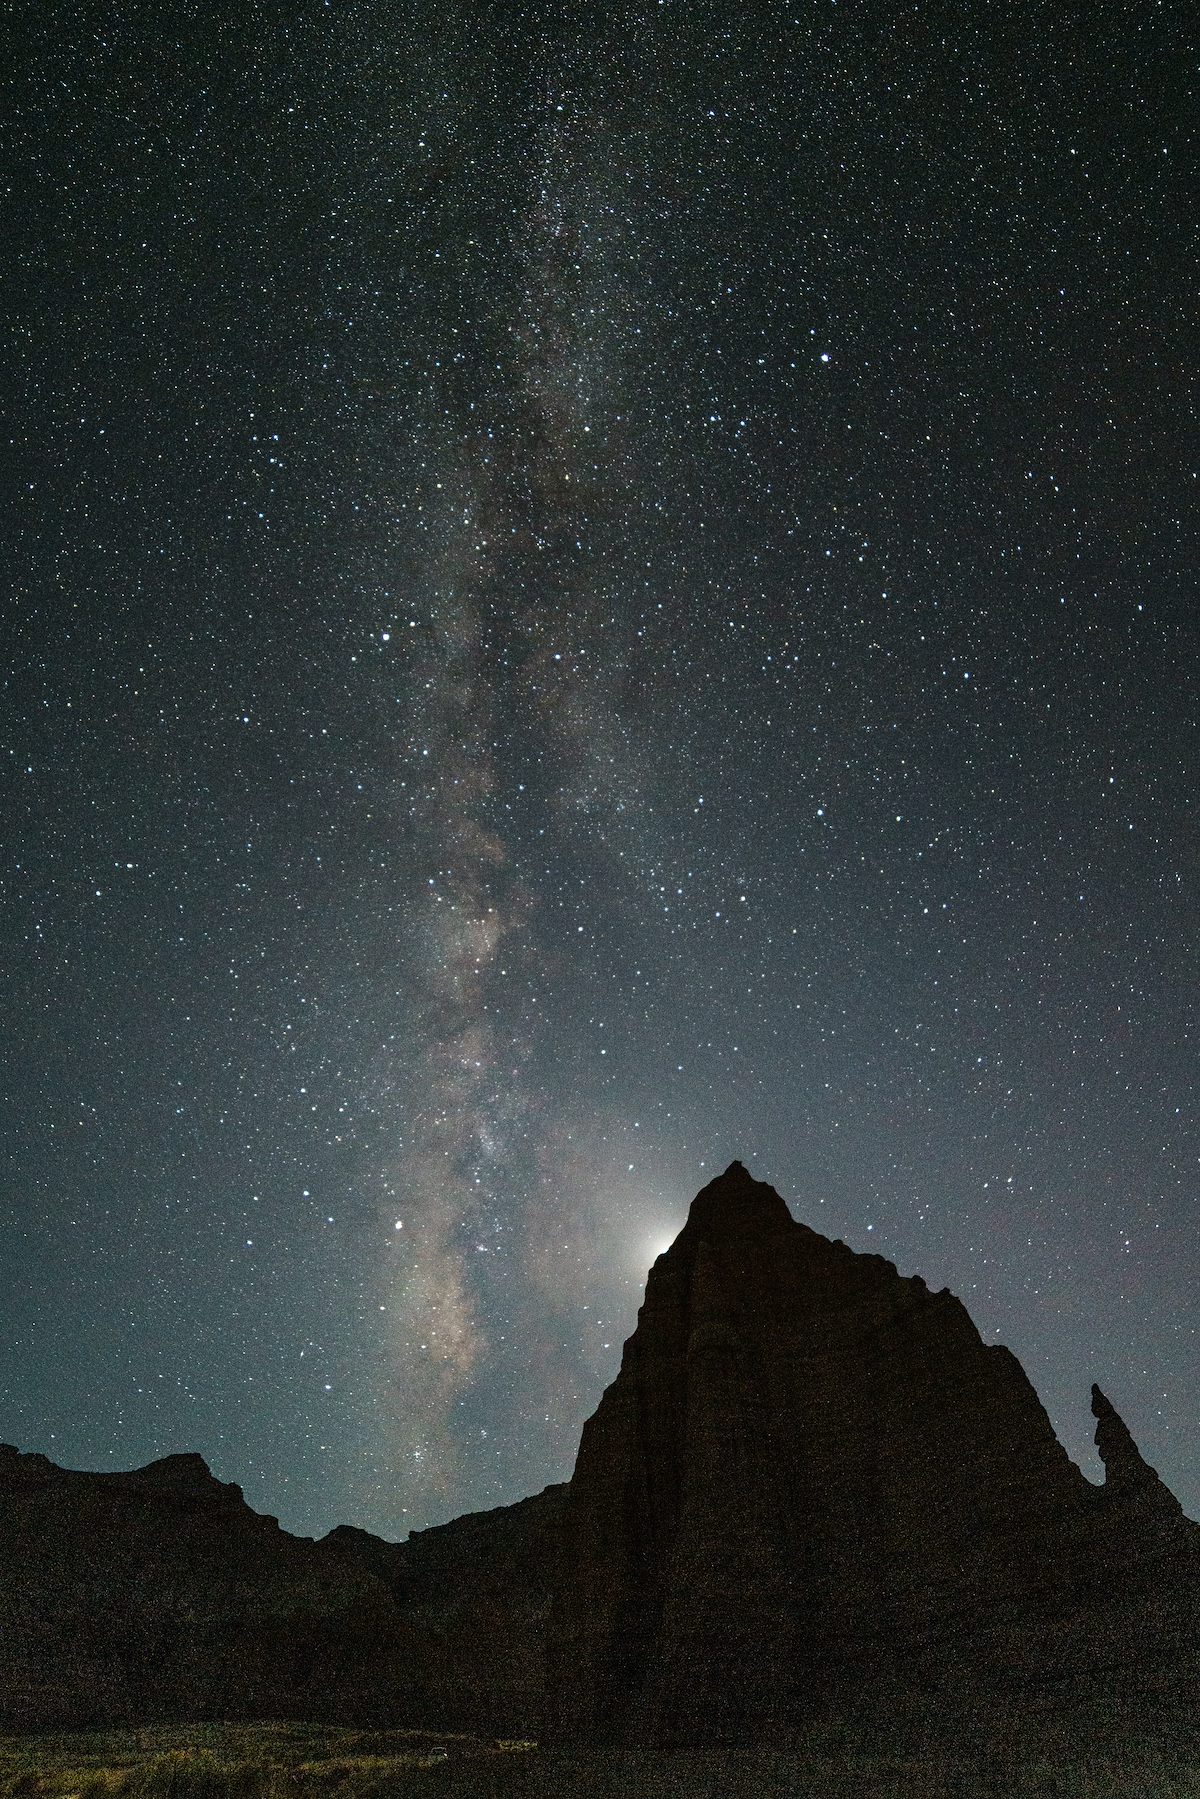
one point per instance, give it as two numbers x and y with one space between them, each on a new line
591 590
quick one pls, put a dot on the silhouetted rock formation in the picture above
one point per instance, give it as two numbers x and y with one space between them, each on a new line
159 1594
477 1592
812 1495
1127 1477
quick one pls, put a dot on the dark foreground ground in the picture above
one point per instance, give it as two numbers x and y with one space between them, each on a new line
295 1761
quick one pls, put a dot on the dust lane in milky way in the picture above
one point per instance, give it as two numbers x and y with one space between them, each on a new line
593 591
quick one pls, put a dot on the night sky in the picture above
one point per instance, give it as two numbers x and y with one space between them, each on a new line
589 591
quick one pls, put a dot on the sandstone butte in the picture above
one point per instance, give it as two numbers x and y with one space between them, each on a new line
812 1498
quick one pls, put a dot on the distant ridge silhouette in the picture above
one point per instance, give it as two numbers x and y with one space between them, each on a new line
812 1496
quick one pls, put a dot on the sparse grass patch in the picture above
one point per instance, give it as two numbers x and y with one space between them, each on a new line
250 1761
301 1761
195 1774
362 1774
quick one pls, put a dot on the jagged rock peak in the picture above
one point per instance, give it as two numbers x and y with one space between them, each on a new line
18 1465
1127 1474
186 1469
736 1201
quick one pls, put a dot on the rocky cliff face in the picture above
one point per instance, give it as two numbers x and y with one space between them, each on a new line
159 1594
812 1495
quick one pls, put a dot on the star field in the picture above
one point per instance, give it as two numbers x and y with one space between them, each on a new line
591 591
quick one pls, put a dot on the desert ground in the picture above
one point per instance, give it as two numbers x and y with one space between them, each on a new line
297 1761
